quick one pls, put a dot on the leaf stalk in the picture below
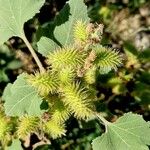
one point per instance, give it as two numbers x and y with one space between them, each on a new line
106 123
32 51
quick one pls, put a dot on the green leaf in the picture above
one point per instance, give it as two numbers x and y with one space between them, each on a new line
14 64
3 76
16 145
21 98
46 45
48 42
130 48
141 93
63 27
7 91
129 132
13 15
145 55
47 29
64 32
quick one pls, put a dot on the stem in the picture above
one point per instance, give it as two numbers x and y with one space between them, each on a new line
37 60
106 123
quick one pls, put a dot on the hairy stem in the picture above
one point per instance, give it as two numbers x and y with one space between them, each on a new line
37 60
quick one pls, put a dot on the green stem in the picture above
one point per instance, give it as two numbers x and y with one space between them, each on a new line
37 60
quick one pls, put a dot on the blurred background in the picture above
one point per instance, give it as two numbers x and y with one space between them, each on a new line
127 29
